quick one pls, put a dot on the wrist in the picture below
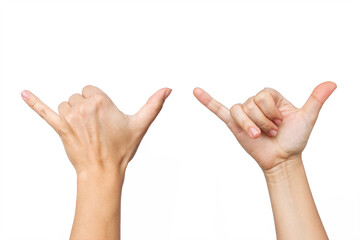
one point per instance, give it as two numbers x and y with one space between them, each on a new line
101 176
98 203
285 170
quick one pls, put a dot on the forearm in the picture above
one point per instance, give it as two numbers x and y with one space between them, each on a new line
294 209
97 214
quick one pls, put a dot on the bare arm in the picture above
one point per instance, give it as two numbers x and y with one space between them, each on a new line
100 141
295 213
275 133
97 214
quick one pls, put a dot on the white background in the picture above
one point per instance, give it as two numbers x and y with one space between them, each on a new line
190 179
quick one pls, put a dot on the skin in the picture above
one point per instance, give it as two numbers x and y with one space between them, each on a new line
99 141
275 133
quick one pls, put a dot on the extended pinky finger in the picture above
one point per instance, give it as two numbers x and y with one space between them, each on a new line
238 114
51 117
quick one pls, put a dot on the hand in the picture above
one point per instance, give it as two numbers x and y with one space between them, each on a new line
95 133
267 125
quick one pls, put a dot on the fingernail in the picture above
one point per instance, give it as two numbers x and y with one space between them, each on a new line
254 132
167 93
273 132
25 95
277 121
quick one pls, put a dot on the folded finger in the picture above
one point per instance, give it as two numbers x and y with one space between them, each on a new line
90 90
64 108
266 102
75 99
257 116
238 114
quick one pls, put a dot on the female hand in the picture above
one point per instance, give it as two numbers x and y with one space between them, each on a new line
267 125
95 133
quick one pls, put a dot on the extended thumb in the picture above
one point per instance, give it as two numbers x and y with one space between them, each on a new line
317 98
147 114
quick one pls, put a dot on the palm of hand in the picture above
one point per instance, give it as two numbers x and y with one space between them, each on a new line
292 134
291 139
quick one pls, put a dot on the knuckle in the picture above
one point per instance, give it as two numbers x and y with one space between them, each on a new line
266 126
217 108
158 107
33 102
61 105
43 113
272 92
268 89
99 98
86 109
82 109
249 107
235 108
94 104
87 87
62 132
261 97
73 96
70 117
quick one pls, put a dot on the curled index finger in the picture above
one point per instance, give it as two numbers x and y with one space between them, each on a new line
51 117
217 108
